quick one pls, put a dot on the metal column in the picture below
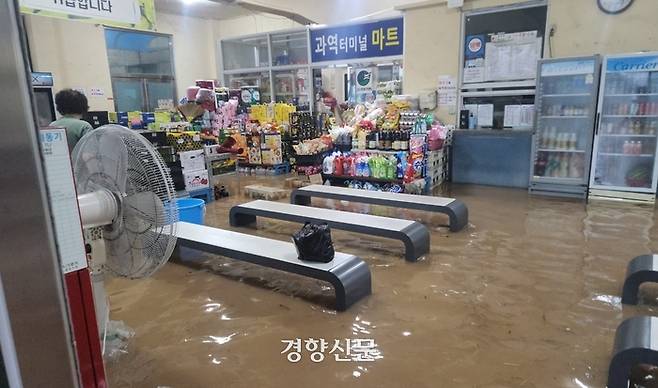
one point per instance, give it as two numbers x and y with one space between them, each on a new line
29 266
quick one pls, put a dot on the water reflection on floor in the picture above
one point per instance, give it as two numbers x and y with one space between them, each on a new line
526 296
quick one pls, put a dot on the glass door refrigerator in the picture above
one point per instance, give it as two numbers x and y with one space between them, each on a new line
624 165
565 106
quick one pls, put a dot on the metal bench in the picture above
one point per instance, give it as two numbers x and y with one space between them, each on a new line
454 208
641 269
414 235
349 275
636 342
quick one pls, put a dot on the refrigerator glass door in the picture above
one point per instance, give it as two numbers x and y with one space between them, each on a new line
566 98
626 138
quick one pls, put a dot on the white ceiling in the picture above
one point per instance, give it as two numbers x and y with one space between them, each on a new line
207 9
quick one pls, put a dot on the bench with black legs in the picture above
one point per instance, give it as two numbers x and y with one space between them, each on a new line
414 235
349 275
454 208
641 269
636 342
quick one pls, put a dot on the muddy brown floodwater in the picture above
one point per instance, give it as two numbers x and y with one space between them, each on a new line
527 295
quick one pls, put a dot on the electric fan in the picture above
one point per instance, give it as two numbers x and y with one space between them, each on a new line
124 188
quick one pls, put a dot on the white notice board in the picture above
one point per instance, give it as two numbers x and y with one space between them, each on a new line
512 56
63 199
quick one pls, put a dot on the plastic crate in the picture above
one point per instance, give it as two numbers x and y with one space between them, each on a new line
185 141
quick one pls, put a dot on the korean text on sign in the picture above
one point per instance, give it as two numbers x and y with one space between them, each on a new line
374 39
100 5
343 350
388 37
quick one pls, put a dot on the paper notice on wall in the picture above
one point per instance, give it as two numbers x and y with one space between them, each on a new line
527 116
512 116
512 56
519 116
474 70
81 90
96 92
485 115
447 91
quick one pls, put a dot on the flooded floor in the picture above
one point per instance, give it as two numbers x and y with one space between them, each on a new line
527 295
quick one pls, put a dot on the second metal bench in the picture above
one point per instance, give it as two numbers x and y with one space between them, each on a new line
414 235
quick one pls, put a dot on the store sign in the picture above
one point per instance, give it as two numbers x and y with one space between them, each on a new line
567 68
630 64
121 13
474 47
369 40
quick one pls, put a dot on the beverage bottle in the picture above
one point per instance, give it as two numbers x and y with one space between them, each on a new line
639 147
558 141
625 147
573 167
380 140
564 166
574 141
552 139
565 141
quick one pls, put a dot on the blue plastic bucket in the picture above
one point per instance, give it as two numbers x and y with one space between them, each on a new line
192 210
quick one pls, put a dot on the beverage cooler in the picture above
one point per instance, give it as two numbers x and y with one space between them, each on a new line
565 105
624 158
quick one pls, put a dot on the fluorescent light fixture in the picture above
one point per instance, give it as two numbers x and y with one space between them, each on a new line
188 2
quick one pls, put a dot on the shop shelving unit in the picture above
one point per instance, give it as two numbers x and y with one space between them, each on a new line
266 60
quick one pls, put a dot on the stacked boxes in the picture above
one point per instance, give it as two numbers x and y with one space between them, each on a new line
194 170
271 150
437 166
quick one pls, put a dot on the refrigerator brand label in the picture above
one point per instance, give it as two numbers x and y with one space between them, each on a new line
567 68
630 64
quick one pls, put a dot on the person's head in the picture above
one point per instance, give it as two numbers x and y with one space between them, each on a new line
71 103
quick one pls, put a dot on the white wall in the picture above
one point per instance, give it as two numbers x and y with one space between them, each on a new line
76 55
194 51
74 52
432 37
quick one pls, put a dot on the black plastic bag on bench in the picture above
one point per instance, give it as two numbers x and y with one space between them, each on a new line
314 243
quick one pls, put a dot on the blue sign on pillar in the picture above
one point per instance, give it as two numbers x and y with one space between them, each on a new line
376 39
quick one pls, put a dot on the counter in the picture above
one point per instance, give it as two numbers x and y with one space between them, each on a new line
491 157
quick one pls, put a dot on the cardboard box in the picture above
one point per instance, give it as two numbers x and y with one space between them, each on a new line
254 155
196 180
272 142
192 160
272 156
